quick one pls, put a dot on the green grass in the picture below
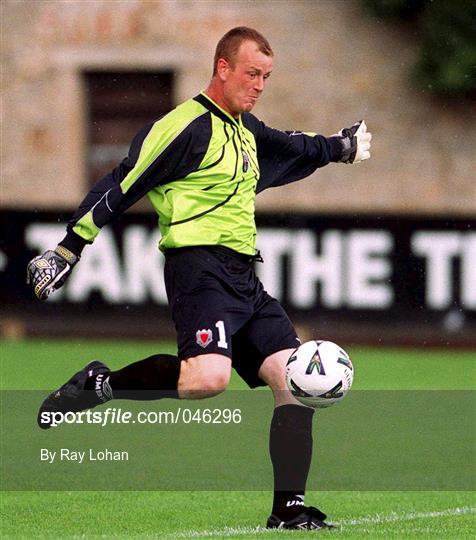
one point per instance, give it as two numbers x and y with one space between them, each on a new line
39 364
233 514
42 364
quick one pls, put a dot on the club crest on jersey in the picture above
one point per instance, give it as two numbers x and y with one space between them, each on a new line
246 161
204 337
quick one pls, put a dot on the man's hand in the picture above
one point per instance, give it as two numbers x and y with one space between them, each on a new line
49 271
355 143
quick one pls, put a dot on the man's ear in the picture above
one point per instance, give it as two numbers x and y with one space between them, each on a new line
223 68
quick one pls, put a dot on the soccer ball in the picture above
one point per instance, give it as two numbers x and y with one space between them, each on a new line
319 373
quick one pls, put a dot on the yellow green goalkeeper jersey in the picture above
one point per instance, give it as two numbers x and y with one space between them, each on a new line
201 169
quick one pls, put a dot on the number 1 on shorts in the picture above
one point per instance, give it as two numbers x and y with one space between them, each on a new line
222 343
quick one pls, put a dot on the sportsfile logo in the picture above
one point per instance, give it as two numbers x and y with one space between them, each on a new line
113 415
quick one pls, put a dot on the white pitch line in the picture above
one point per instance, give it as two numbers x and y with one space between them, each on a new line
394 516
226 532
376 519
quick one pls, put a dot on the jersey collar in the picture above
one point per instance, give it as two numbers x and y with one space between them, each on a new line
209 104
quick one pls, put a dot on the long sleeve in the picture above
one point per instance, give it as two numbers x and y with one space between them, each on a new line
288 156
161 152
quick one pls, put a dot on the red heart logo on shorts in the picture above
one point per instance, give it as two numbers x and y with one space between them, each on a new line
204 337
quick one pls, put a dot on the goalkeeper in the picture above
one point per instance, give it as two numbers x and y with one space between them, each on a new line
201 166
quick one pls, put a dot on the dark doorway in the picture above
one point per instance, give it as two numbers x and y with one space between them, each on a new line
119 104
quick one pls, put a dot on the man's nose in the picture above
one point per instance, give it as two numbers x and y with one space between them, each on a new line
259 84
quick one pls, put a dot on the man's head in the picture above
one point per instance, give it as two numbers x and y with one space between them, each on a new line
243 62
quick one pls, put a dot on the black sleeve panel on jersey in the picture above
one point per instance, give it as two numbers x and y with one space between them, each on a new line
106 199
179 159
114 178
285 156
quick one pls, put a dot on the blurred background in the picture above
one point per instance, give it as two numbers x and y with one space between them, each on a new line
380 252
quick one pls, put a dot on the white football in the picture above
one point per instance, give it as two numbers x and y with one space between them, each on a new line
319 373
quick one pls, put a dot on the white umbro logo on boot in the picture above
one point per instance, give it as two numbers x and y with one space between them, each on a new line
102 388
298 501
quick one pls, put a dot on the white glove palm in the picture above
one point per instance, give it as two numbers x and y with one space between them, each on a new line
355 143
363 143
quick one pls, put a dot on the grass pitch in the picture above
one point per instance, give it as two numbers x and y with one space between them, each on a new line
35 364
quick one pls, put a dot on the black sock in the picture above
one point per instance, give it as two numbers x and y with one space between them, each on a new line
290 447
154 377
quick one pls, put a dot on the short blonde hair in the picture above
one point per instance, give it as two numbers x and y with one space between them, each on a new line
229 44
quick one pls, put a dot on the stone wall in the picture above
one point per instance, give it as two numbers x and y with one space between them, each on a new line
333 65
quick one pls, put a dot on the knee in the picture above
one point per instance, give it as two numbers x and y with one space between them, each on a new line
215 383
273 373
273 370
202 377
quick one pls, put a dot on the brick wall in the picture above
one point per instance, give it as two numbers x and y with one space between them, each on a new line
333 65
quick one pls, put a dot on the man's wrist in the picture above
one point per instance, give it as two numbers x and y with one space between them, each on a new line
73 243
336 149
70 257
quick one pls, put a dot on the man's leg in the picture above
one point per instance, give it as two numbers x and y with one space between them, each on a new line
163 375
155 377
290 447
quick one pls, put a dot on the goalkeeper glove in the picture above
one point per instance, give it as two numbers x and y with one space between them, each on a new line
49 271
355 143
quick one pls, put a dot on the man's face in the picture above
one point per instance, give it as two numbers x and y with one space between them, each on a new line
244 78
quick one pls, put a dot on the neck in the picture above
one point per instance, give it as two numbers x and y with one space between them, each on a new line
215 92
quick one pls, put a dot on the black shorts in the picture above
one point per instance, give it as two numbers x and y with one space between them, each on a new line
219 306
